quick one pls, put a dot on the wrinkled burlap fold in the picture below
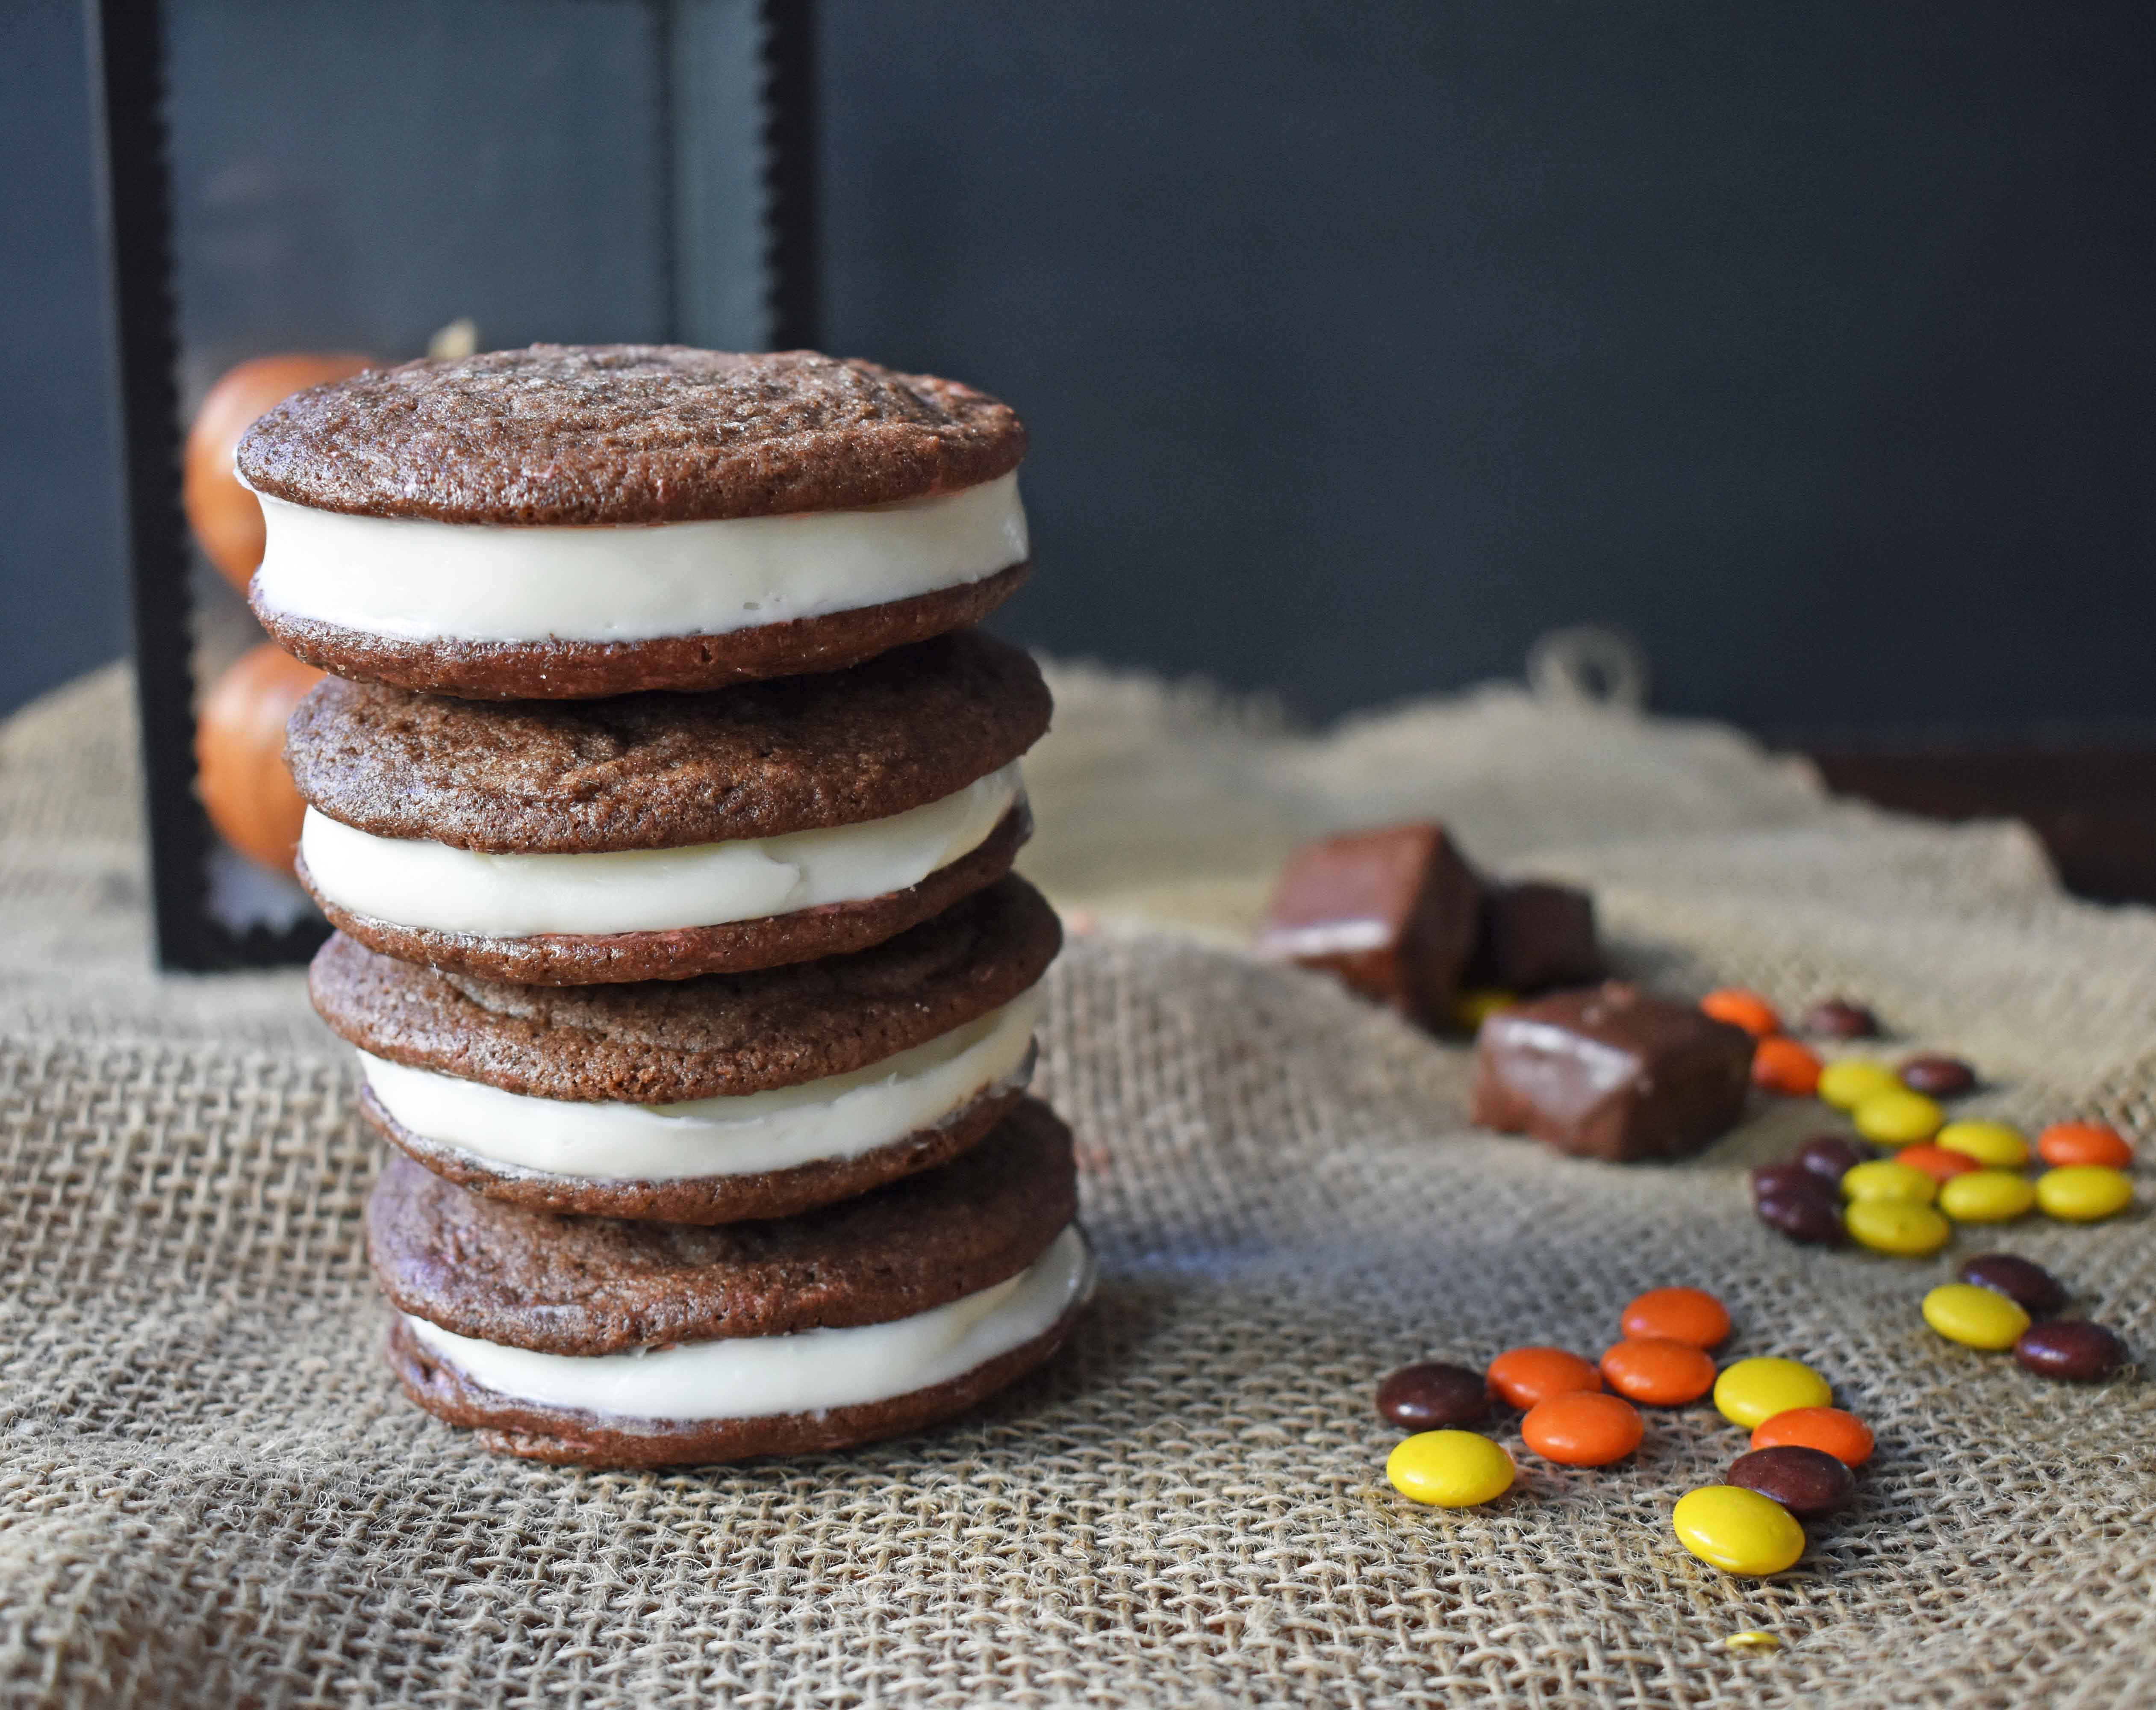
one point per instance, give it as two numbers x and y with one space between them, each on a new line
211 1492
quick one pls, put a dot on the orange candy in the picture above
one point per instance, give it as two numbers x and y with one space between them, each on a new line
1828 1430
1937 1161
1785 1067
1582 1428
2065 1144
1677 1315
1741 1009
1524 1376
1659 1372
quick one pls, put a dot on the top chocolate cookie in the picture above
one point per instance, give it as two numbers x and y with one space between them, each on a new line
567 434
570 522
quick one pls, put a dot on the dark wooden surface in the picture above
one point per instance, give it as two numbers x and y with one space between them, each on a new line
2093 804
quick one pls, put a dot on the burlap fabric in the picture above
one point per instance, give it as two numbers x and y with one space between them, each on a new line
212 1494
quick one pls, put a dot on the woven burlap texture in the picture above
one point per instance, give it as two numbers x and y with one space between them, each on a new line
211 1492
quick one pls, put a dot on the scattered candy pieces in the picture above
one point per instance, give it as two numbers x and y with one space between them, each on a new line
2083 1193
1847 1084
1811 1220
1677 1315
1522 1376
2072 1348
1936 1161
1992 1144
1827 1155
1937 1077
1987 1196
1433 1395
1828 1430
1837 1017
1781 1065
1973 1316
2037 1292
1897 1117
1897 1226
1738 1530
1583 1428
1804 1480
1889 1178
1743 1008
1772 1180
2084 1142
1753 1391
1658 1371
1450 1469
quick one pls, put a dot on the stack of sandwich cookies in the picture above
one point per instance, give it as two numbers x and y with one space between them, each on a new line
666 809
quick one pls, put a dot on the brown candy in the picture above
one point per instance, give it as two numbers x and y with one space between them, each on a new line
1937 1077
1812 1219
1839 1019
1608 1071
1791 1179
1393 912
1829 1157
1534 936
1806 1482
2030 1286
2072 1348
1434 1396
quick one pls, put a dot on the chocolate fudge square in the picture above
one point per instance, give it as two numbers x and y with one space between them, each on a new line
1535 936
1393 912
1610 1072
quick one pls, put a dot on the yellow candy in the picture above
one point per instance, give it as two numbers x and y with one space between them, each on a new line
1897 1118
1738 1530
1882 1178
1897 1226
2082 1192
1450 1469
1975 1317
1986 1196
1992 1144
1471 1009
1846 1085
1753 1391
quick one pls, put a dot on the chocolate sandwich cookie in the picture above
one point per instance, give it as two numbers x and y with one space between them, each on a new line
705 1101
662 836
574 521
615 1343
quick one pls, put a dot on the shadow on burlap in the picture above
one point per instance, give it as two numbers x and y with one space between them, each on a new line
211 1492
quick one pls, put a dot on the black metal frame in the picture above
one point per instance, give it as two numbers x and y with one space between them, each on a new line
127 92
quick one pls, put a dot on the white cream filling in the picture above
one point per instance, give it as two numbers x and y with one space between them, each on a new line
840 1116
423 581
812 1371
413 881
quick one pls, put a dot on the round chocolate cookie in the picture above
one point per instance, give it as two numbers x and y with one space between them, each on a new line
664 771
405 771
602 456
626 433
526 1296
669 1041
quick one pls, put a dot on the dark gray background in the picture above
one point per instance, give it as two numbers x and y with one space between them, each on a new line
1809 343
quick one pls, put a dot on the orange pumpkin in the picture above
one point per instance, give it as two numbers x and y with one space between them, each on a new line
239 755
226 519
